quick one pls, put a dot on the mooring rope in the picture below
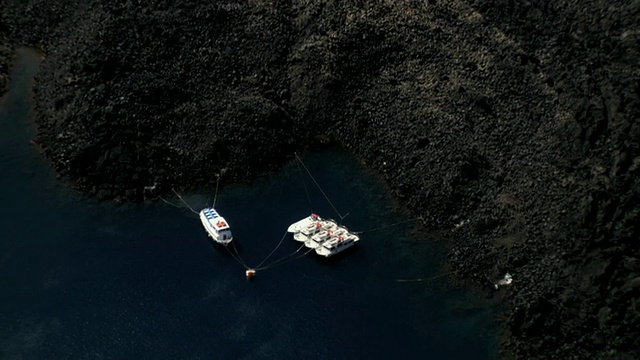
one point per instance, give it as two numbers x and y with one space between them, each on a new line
288 258
358 203
426 279
170 203
184 202
236 255
215 197
387 226
319 188
237 259
273 251
304 184
270 265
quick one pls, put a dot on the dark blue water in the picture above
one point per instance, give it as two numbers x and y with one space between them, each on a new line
84 279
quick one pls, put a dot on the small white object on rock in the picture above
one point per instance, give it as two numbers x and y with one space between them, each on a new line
506 280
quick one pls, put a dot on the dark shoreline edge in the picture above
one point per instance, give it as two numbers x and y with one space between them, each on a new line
6 59
512 127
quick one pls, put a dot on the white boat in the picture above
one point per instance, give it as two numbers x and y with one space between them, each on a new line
304 223
318 239
216 226
314 228
325 236
337 244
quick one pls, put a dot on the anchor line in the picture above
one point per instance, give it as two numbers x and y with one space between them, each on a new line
236 258
184 202
170 203
426 279
358 203
273 251
286 259
386 226
236 255
319 188
215 197
305 185
277 262
176 205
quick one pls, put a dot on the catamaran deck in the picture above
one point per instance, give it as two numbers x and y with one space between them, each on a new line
304 223
337 244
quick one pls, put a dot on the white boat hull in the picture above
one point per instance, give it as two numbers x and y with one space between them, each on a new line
336 247
216 226
316 241
304 230
326 237
302 224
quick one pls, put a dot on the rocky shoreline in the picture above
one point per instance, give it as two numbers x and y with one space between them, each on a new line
6 58
511 127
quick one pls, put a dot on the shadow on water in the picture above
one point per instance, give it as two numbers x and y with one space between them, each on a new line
101 280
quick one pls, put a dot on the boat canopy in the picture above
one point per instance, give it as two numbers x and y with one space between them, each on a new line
217 221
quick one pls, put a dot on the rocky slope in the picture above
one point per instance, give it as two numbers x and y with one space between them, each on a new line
5 56
511 127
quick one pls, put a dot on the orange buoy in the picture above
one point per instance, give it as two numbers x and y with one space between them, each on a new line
250 273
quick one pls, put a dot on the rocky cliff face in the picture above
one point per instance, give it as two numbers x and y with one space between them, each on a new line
5 55
510 127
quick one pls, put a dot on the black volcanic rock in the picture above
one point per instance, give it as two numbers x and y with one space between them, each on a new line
510 127
5 54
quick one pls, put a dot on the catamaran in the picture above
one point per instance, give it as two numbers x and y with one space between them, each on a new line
326 236
319 238
216 226
337 244
314 228
304 223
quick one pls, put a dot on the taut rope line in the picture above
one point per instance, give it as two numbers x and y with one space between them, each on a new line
184 202
215 197
169 202
358 203
426 279
304 184
319 188
288 258
236 255
387 226
272 251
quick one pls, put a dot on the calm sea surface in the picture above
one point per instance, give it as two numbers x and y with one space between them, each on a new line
85 279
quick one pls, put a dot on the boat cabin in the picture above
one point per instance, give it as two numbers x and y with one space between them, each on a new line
216 226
